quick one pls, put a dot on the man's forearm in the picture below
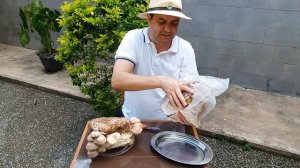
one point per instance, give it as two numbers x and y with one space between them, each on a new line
125 81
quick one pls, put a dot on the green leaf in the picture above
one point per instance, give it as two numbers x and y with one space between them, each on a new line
54 23
24 18
39 23
24 36
36 4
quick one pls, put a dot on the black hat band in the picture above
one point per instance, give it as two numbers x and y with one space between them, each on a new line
169 8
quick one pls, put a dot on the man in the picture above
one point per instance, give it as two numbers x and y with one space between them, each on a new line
150 62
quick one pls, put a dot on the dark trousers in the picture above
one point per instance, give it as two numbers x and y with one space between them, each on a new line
119 113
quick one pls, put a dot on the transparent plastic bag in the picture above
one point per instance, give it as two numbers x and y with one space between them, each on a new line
206 88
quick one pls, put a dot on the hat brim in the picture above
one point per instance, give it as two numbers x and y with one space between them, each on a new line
164 12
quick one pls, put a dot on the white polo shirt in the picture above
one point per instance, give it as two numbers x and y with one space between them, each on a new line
178 60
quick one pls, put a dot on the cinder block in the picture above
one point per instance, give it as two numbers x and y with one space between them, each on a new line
184 28
221 62
14 31
239 3
12 10
277 36
264 4
12 40
208 71
194 2
280 86
3 38
259 52
240 16
195 42
202 13
2 9
201 59
225 31
265 18
293 21
225 74
234 48
285 4
285 19
251 34
208 45
202 29
287 55
201 2
249 80
296 90
53 4
14 21
296 39
216 14
7 2
245 65
291 73
4 21
19 3
270 69
276 18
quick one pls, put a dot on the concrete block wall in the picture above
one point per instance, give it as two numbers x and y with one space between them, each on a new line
10 21
256 43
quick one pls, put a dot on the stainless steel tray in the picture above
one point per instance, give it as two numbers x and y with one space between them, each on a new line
181 148
116 151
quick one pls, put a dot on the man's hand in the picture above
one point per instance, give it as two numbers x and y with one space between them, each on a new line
173 89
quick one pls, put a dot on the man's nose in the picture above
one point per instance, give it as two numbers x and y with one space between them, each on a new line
168 28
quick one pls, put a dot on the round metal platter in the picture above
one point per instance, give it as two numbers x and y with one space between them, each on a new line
181 148
116 151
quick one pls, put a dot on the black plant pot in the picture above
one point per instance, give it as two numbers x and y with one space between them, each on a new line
50 64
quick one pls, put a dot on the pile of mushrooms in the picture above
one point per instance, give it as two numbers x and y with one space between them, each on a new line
111 132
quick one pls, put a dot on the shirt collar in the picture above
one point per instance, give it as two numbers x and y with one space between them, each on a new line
174 45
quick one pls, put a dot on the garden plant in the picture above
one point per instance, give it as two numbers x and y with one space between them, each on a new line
40 22
92 31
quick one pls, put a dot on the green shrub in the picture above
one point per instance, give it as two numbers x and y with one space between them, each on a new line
92 31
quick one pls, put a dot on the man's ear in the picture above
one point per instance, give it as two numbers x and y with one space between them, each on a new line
149 17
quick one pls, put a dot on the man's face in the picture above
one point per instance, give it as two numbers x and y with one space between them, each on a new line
162 28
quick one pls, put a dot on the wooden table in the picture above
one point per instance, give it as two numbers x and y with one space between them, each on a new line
141 155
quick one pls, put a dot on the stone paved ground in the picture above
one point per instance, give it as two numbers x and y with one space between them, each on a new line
39 129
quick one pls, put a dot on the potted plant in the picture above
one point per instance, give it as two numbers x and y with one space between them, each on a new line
40 20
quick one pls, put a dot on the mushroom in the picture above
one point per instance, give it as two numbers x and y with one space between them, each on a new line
101 149
100 140
95 134
90 146
90 138
125 136
135 120
113 138
92 154
137 128
106 145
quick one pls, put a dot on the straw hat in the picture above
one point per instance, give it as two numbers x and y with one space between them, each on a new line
164 7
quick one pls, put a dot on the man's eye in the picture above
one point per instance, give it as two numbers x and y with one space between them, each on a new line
175 24
161 23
